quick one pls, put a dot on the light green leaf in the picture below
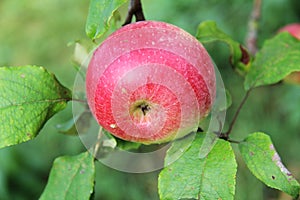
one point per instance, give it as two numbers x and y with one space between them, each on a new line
210 140
29 96
77 125
264 162
190 177
110 142
179 147
228 100
209 32
71 177
278 57
100 14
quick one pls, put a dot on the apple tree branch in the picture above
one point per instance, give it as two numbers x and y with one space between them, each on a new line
134 9
251 40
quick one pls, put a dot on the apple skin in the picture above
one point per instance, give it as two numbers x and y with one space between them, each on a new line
294 30
150 82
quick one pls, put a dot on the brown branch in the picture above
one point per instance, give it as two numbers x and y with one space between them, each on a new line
251 40
134 9
226 134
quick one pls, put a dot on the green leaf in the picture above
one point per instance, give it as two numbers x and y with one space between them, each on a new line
100 14
111 142
179 147
190 177
210 140
71 177
29 96
209 32
126 145
264 162
228 100
77 125
278 57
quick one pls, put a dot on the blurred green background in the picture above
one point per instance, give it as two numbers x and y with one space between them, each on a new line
38 32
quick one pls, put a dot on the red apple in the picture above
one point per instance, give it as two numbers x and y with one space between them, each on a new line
294 30
150 82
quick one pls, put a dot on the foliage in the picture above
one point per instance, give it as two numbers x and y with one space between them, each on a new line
71 178
209 32
192 178
101 9
278 57
30 96
264 162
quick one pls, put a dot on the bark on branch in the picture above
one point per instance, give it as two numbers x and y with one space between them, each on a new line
134 9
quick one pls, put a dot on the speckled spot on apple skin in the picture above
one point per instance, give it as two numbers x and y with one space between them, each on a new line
124 91
113 126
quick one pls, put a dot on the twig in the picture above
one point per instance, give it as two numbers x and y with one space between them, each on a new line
135 8
251 40
98 143
233 141
226 134
79 100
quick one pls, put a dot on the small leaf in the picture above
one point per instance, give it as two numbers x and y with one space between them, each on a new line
126 145
100 15
117 142
264 162
223 104
210 140
29 96
80 54
190 177
228 100
178 148
209 32
71 177
278 57
77 125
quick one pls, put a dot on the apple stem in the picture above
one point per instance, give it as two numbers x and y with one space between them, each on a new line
226 134
135 8
251 39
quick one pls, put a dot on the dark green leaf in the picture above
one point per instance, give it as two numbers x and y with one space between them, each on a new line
264 162
29 96
209 32
190 177
100 15
71 177
278 57
126 145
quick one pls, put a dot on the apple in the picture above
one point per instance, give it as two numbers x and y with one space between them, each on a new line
294 30
150 82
